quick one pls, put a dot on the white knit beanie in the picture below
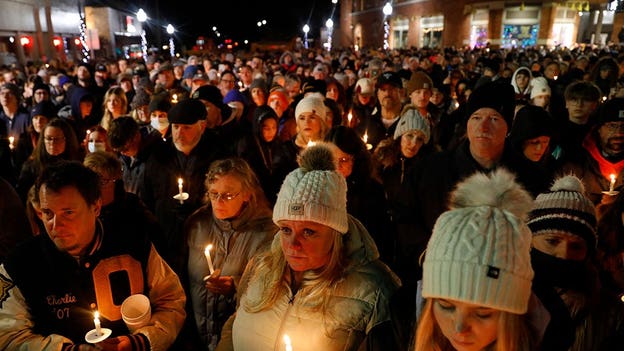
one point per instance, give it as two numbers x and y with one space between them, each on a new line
315 191
412 119
539 87
312 103
479 252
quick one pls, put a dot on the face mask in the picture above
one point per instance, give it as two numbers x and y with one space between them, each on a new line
159 123
568 274
94 146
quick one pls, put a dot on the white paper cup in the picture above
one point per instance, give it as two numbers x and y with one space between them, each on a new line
136 311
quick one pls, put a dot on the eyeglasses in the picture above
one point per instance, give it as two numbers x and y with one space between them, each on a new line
223 196
614 126
54 140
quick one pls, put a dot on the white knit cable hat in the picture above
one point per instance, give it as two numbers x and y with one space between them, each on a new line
479 252
312 103
412 119
315 191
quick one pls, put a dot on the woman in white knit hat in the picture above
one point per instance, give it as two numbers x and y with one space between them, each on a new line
321 283
477 269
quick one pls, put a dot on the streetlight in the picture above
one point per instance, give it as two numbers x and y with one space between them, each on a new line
387 11
170 31
330 25
142 17
306 29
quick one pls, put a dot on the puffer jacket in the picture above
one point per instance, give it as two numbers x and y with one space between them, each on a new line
234 243
359 306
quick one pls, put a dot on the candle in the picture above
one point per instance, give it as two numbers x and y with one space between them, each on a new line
310 143
180 189
207 253
349 118
96 321
365 138
612 184
11 142
604 98
287 342
174 99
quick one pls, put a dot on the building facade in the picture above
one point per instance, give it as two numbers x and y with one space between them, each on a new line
439 23
39 30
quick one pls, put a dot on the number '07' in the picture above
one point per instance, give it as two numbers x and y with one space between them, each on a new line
62 313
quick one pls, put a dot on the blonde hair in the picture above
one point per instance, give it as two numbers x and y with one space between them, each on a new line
108 116
271 275
513 333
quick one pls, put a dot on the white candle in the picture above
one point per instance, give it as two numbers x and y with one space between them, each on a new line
11 142
612 185
96 321
207 253
287 343
365 138
180 189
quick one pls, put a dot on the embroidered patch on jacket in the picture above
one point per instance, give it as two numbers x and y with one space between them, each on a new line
295 209
5 285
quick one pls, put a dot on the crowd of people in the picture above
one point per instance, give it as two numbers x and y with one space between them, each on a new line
417 199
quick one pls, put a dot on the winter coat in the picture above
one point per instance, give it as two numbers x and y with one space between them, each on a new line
594 170
234 243
358 307
49 296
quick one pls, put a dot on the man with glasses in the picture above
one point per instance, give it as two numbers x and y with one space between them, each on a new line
601 159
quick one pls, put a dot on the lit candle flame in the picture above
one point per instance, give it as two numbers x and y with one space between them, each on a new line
365 137
208 258
174 98
11 142
349 117
311 143
287 342
612 184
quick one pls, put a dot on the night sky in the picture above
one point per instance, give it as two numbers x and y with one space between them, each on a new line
235 19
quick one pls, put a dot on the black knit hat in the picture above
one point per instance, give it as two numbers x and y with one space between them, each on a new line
159 103
496 95
44 108
611 111
209 93
531 122
565 209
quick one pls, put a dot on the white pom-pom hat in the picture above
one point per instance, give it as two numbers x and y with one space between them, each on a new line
479 252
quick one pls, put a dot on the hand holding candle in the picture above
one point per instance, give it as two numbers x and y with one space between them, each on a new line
207 253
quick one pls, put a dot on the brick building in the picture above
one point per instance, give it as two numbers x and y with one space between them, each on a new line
440 23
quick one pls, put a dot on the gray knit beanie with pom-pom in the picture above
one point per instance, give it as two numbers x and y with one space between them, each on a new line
315 191
479 252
